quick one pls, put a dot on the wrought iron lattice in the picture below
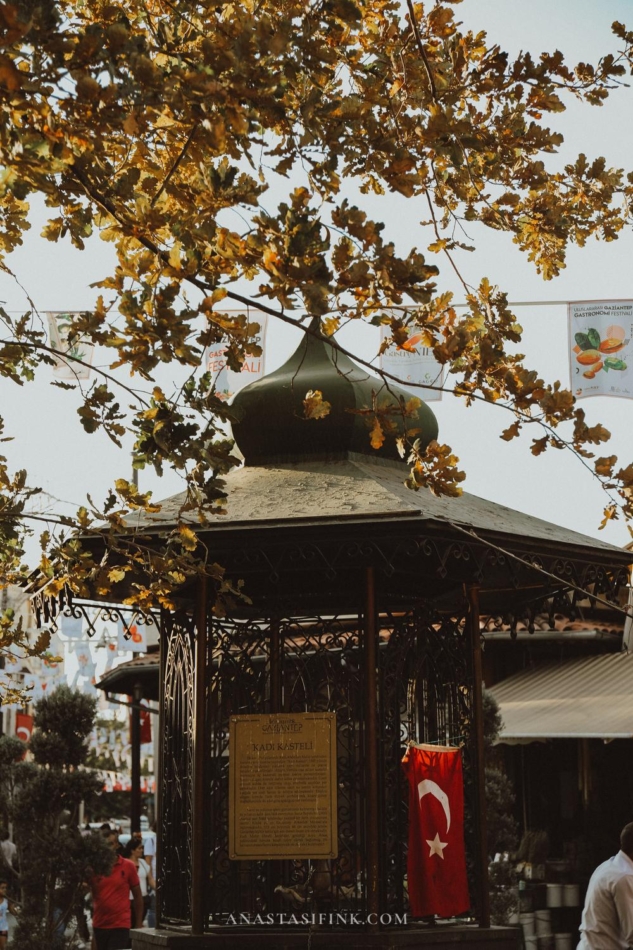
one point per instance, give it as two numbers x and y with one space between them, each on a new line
50 611
425 693
293 563
174 888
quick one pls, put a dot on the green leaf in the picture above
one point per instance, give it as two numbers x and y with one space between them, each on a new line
594 338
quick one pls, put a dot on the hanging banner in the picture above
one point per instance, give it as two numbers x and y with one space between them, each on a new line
413 363
600 354
135 640
111 655
436 862
72 627
59 325
226 381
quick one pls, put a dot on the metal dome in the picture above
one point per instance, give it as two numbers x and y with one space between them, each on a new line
272 425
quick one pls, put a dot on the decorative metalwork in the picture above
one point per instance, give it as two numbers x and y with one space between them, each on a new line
308 664
435 562
174 891
50 609
297 644
426 696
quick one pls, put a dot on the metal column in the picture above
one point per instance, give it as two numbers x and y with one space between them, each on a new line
199 759
371 745
472 591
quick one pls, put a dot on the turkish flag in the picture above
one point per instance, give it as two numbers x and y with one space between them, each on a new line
436 863
23 726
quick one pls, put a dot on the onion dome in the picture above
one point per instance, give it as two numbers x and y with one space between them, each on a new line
272 425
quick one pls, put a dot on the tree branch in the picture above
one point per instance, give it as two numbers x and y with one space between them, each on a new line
75 359
175 165
421 50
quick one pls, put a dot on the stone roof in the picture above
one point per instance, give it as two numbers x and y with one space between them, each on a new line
316 491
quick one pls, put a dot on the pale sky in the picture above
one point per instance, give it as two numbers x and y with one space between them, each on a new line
50 443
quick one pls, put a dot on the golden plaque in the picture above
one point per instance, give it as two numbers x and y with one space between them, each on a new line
282 786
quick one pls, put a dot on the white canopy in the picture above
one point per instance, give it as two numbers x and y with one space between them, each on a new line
587 698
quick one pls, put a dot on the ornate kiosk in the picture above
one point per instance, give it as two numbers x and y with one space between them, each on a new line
361 632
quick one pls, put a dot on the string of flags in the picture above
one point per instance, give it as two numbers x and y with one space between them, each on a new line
600 364
72 658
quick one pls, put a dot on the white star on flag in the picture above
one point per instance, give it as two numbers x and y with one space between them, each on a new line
437 846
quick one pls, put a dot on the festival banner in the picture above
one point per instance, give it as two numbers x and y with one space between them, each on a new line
136 639
226 381
72 627
111 654
600 354
59 325
436 863
413 363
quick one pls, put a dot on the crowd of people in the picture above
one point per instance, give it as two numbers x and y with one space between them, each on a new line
123 899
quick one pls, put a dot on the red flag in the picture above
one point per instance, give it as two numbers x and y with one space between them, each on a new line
23 726
146 726
436 863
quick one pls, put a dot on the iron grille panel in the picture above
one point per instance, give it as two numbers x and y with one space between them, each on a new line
174 892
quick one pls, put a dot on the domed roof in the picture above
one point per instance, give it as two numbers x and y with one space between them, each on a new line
272 425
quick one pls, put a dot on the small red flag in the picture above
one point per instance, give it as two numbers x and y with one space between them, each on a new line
436 863
146 726
23 726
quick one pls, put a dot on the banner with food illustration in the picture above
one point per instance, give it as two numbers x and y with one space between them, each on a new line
601 355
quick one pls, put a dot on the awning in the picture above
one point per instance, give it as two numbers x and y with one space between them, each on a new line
122 679
587 698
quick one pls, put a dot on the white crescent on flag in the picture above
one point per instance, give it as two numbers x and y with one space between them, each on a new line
427 787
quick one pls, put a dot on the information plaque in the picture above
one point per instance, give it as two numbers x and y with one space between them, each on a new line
282 786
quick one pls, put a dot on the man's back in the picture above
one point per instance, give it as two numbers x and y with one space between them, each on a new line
111 896
607 918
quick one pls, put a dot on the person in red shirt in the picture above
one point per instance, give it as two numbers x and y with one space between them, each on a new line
111 914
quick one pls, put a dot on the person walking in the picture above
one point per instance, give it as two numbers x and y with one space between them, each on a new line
134 853
150 857
8 862
8 848
607 917
112 914
6 907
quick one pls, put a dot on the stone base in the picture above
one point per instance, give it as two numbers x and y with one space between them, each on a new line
276 938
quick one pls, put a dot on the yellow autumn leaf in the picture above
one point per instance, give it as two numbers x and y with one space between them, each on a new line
174 255
377 436
130 125
10 76
188 538
315 406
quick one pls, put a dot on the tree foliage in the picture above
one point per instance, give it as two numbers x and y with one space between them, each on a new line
165 125
501 826
43 798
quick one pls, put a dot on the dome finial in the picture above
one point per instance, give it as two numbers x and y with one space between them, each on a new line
272 424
